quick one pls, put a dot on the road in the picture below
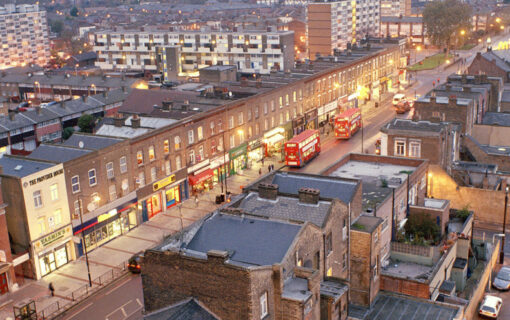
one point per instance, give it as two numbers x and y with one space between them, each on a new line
124 300
121 301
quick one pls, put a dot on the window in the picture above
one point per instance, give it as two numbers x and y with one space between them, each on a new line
95 199
376 237
240 118
329 272
139 157
231 122
177 143
256 110
152 155
154 175
329 243
281 101
384 224
241 136
265 107
344 260
263 305
75 184
78 208
266 124
41 225
168 169
232 141
109 170
57 217
113 192
141 179
191 157
400 148
212 127
200 133
201 153
37 199
376 272
54 192
287 99
423 183
294 96
414 149
191 137
272 106
178 163
249 115
166 147
123 165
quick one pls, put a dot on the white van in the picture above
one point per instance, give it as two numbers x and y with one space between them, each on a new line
398 97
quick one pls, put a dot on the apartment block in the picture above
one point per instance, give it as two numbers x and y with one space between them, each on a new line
24 34
336 25
176 53
395 8
404 26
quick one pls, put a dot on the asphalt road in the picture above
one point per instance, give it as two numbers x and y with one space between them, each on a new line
123 300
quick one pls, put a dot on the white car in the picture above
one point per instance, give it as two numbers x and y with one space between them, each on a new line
490 307
398 97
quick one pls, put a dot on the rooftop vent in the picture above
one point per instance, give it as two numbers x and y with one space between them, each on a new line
18 167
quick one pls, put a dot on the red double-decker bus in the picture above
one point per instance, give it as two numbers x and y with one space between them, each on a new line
347 123
302 148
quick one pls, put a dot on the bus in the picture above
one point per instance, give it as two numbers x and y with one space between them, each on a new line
302 148
347 123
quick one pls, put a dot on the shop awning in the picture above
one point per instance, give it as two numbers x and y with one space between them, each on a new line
201 177
274 139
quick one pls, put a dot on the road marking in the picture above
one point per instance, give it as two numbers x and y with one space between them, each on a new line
80 310
132 313
121 308
138 300
116 287
123 312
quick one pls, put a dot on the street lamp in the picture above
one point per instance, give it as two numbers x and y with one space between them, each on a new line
38 85
96 199
93 86
502 254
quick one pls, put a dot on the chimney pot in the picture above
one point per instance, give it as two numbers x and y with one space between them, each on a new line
12 115
309 195
135 121
268 191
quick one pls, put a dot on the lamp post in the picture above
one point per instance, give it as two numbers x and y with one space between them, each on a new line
93 86
502 253
83 240
38 85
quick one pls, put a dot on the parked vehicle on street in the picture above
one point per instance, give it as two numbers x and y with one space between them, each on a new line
378 147
134 263
347 123
502 280
402 107
398 97
302 148
490 307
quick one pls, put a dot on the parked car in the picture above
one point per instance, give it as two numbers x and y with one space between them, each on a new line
402 107
398 97
490 307
134 263
502 280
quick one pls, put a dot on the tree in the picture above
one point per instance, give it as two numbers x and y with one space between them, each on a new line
67 133
56 26
74 12
86 123
444 21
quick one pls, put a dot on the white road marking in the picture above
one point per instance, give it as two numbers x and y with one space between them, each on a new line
138 300
121 309
80 310
120 285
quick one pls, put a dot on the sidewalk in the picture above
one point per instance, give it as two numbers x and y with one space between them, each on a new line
113 254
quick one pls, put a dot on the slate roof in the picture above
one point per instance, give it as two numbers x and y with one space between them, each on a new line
43 114
84 56
497 119
121 132
111 97
342 189
499 61
94 142
57 153
413 127
390 307
248 240
184 310
28 166
286 208
20 121
67 80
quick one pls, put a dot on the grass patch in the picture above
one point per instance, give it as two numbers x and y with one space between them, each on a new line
429 62
467 46
358 226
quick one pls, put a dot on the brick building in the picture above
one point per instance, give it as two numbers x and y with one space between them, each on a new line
491 64
403 26
488 154
7 274
437 142
476 81
238 267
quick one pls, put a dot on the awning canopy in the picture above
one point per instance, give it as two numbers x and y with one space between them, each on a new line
274 139
201 177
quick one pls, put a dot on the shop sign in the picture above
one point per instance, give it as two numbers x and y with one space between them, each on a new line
52 238
106 216
270 133
219 161
254 144
311 115
198 166
45 177
238 151
163 182
298 122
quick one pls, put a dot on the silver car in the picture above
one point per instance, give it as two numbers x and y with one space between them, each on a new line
502 280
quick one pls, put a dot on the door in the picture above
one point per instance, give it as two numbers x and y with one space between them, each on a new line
4 288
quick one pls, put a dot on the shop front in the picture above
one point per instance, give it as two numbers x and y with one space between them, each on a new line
352 100
327 112
298 125
255 150
376 90
385 84
218 167
238 158
53 251
201 181
107 226
273 141
311 119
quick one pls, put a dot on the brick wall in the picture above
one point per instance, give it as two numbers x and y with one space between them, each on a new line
426 255
492 135
334 225
443 214
502 161
407 287
481 65
439 112
363 255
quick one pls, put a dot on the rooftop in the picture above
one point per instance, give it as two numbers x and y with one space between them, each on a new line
248 241
57 153
333 289
188 309
408 270
67 80
89 141
496 150
296 289
121 132
408 126
497 119
286 208
22 167
366 223
445 100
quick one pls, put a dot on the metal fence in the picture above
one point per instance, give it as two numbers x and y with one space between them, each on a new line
57 308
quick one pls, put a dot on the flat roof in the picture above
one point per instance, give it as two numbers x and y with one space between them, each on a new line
366 223
412 127
286 208
329 187
445 100
497 119
296 289
390 307
333 289
408 270
22 167
247 240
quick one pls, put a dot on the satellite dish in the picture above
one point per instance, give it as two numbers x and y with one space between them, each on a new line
91 207
81 144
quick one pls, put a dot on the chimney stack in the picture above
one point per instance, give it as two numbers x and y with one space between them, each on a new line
309 195
167 105
118 121
84 98
38 110
12 115
432 99
105 93
268 191
135 121
448 87
62 104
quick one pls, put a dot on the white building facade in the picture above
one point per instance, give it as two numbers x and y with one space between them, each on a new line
24 36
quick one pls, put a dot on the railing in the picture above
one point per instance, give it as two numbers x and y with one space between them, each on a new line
57 308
